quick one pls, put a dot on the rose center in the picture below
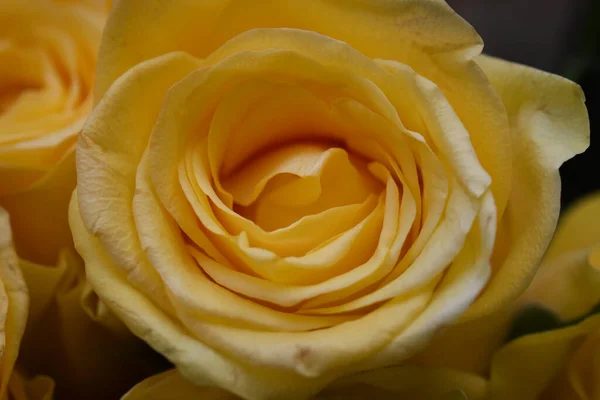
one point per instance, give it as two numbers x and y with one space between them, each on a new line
278 187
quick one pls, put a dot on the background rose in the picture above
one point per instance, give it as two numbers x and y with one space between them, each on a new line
561 363
14 302
63 344
47 60
74 341
216 163
554 357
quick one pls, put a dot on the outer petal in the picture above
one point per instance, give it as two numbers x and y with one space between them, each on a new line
389 383
549 125
114 225
183 23
172 385
14 302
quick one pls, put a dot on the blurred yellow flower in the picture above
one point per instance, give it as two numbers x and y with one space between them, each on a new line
561 363
48 54
73 338
14 303
557 363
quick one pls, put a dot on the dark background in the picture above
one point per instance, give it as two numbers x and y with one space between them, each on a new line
558 36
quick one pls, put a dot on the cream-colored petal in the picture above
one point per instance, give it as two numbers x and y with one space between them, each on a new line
109 149
450 139
549 125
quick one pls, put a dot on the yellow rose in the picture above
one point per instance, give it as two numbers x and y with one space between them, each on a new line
47 60
14 302
277 194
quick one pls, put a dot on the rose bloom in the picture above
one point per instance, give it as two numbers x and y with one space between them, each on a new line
14 311
47 60
277 194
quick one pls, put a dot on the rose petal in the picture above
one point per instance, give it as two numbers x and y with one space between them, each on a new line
549 125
